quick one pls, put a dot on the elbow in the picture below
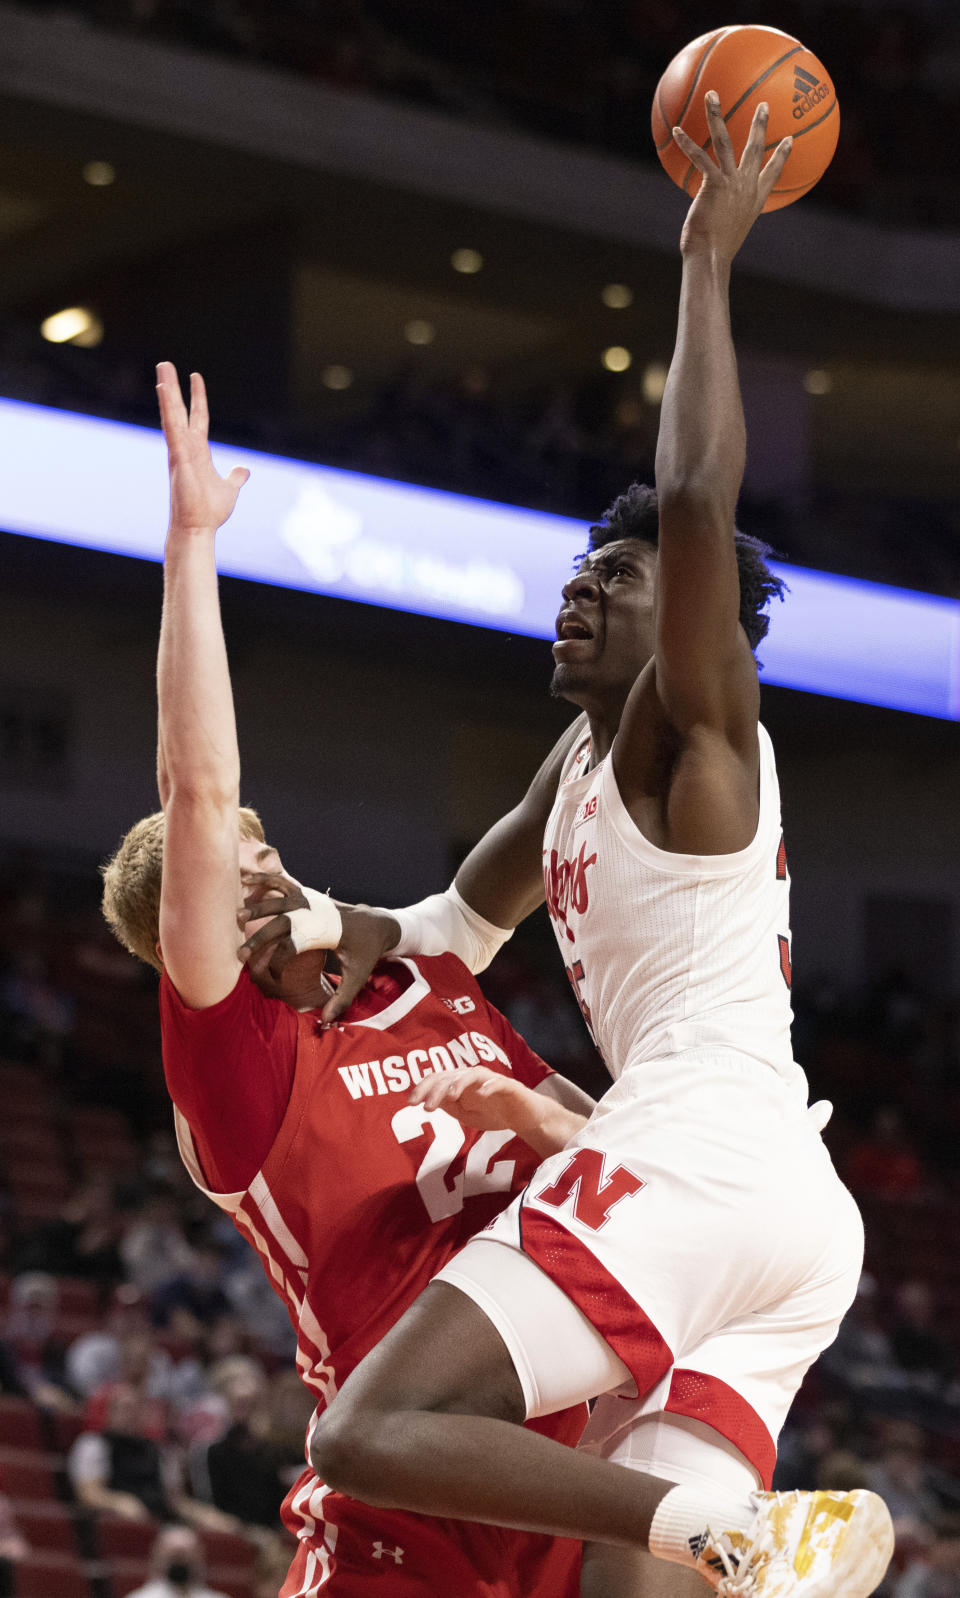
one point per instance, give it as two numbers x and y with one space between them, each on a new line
345 1455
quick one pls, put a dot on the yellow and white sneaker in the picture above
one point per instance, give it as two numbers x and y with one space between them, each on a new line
803 1545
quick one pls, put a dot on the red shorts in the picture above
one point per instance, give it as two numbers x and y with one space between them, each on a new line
349 1550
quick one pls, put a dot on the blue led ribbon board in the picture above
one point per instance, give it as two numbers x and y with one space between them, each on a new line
102 485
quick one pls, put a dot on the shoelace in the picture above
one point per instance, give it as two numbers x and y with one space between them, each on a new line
739 1579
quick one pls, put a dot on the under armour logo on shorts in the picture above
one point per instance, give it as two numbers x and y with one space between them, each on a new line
381 1551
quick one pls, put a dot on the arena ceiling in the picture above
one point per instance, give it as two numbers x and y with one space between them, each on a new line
357 262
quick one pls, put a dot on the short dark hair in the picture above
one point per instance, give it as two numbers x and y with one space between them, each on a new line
636 514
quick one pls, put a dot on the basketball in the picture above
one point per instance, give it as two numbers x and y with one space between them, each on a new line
746 65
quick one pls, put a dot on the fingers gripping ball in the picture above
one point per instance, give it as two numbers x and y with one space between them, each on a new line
746 65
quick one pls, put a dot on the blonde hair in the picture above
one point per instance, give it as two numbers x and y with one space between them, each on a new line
131 883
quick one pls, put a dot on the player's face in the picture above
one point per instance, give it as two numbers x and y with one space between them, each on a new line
605 624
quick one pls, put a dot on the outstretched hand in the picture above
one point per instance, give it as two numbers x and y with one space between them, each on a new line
731 196
200 499
479 1098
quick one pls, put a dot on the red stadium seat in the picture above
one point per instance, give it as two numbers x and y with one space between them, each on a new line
29 1475
52 1576
227 1549
20 1424
66 1430
125 1539
234 1583
47 1526
78 1297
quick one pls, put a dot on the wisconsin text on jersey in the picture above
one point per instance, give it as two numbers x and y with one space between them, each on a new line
396 1072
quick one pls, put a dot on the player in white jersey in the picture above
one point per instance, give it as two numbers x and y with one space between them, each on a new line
691 1250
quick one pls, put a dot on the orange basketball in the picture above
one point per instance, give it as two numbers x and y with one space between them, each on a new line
746 65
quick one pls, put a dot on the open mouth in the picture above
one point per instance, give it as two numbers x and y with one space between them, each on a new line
569 627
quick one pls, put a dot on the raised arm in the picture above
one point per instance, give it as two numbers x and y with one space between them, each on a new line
705 673
198 759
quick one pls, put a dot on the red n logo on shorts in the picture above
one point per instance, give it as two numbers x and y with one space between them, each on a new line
594 1198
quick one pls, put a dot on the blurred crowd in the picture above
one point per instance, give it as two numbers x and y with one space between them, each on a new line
140 1328
585 71
564 447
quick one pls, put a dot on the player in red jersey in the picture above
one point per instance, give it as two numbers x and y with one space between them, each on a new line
353 1196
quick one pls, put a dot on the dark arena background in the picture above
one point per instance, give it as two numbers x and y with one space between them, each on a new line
429 243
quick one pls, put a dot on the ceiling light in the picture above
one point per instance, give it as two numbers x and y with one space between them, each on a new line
466 261
99 174
653 382
336 377
617 296
75 325
419 332
616 358
818 381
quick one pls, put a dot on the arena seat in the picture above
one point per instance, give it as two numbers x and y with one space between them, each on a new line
66 1430
20 1424
227 1549
47 1526
118 1539
52 1576
26 1474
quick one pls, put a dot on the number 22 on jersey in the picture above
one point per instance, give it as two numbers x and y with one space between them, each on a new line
443 1190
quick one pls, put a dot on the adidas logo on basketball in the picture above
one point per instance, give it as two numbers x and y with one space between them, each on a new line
808 91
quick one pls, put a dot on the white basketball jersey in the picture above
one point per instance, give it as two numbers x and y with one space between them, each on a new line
669 952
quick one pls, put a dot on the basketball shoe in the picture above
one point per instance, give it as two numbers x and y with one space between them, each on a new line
803 1545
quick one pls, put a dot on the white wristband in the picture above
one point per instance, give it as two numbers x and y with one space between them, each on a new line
319 926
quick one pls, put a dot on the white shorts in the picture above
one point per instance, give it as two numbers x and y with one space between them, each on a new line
704 1249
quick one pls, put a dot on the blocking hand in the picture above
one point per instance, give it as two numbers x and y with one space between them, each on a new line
200 499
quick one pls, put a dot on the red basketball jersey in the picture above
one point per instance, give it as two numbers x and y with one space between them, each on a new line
364 1196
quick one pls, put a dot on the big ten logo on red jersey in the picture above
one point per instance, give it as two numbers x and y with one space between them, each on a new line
783 940
565 886
594 1193
460 1006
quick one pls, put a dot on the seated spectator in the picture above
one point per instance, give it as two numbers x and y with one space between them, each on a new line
13 1549
176 1567
918 1348
901 1477
92 1227
82 1241
120 1469
155 1250
94 1357
123 1472
885 1164
932 1571
194 1300
148 1372
862 1356
242 1468
32 1357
